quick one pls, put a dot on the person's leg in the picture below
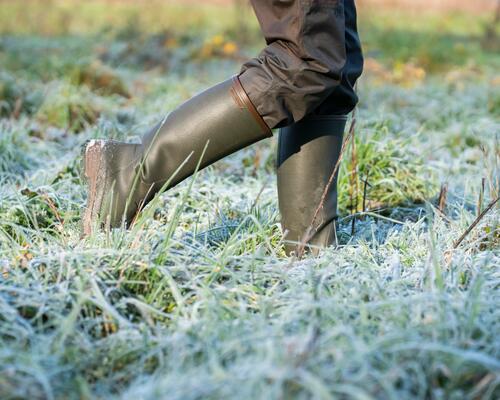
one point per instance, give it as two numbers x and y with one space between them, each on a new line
304 59
308 152
297 71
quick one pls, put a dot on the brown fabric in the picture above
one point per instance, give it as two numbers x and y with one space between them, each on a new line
304 59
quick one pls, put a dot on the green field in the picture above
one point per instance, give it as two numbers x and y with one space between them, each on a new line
198 300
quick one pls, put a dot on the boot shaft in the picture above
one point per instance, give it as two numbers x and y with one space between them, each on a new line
308 152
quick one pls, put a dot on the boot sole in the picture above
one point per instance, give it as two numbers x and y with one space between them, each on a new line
94 174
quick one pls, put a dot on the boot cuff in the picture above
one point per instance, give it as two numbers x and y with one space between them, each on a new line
243 101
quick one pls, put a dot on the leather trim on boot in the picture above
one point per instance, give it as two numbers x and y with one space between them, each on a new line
243 101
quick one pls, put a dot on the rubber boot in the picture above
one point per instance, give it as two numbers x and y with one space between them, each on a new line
307 154
122 178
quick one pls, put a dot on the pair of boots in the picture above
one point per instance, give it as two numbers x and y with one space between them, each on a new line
122 178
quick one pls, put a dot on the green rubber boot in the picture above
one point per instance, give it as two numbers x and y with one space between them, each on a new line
307 154
122 178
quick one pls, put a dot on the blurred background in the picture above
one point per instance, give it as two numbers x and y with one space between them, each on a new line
403 39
